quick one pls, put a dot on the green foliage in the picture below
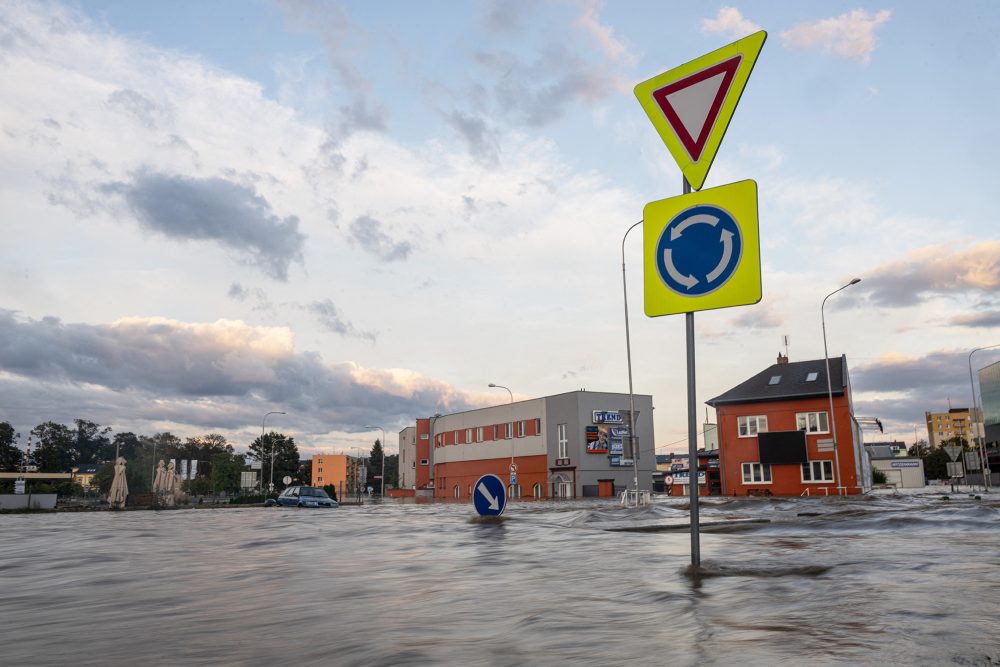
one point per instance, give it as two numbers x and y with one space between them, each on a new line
878 476
919 448
11 456
285 453
331 490
128 445
199 486
91 443
101 481
935 464
226 469
56 447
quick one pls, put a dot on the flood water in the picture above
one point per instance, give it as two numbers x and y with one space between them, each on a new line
874 580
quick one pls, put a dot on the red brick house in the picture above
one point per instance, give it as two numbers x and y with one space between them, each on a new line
776 435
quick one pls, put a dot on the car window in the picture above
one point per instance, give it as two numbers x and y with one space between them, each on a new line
306 492
320 493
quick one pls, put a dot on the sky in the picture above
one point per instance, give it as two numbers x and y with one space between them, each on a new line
362 213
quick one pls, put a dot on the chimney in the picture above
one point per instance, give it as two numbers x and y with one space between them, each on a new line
782 359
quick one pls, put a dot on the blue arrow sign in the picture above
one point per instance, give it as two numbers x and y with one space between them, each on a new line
489 496
699 250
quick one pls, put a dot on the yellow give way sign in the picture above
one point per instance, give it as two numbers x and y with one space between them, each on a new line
701 250
691 105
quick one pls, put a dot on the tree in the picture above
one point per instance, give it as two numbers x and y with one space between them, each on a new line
11 456
92 443
284 452
226 469
127 445
935 464
375 466
919 448
392 471
305 471
56 450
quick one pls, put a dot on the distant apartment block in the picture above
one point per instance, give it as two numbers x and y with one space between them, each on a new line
942 426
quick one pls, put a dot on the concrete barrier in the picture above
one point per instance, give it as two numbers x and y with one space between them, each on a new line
20 501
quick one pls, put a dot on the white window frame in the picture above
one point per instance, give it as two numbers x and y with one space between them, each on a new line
538 425
748 426
457 491
479 434
536 490
423 462
468 435
508 430
562 442
812 422
521 428
822 466
762 470
514 491
496 432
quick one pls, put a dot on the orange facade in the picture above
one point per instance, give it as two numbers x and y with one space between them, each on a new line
336 469
787 479
455 479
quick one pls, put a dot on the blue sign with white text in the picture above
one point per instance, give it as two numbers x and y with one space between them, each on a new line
489 495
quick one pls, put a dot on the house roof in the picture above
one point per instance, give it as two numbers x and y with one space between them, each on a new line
789 380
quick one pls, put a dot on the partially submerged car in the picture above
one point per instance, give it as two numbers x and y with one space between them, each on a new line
302 496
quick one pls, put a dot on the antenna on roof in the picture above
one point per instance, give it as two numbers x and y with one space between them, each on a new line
784 341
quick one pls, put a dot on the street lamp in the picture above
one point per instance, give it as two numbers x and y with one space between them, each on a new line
382 493
511 394
984 460
829 387
357 474
270 484
628 356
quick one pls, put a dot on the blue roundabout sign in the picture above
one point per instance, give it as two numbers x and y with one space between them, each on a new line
489 495
699 250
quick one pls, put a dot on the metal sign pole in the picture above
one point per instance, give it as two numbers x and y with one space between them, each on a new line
692 431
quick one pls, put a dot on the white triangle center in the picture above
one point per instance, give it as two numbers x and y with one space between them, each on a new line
693 103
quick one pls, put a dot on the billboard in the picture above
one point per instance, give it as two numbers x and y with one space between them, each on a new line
598 439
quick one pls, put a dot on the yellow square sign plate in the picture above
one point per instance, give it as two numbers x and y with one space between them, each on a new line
702 250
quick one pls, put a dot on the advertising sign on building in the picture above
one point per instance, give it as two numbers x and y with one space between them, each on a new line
608 417
905 464
620 461
685 477
598 439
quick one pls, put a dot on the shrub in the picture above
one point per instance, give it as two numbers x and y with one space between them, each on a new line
878 476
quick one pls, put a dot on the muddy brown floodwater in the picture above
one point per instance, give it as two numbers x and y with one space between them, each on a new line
872 580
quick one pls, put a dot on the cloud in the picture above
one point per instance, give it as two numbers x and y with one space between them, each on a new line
505 16
482 144
238 292
227 369
213 209
367 232
937 270
850 35
987 320
730 22
140 108
760 316
328 315
604 35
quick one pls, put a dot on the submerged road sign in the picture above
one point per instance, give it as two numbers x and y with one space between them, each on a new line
489 496
702 250
691 105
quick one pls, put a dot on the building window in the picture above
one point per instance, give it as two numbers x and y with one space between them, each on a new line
468 435
520 428
538 426
479 434
514 491
457 491
817 471
751 426
812 377
775 379
536 490
319 460
756 473
507 430
319 479
423 462
812 422
496 432
424 436
320 470
563 441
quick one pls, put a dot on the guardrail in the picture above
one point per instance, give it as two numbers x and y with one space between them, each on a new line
636 498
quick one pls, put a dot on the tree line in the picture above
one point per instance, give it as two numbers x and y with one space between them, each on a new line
60 448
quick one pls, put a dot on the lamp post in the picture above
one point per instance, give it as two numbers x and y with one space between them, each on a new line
829 387
628 357
382 492
270 484
511 394
984 460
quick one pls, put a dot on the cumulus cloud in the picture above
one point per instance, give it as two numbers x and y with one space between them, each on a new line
935 271
850 35
229 368
506 16
760 316
367 232
730 22
140 108
329 316
213 209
